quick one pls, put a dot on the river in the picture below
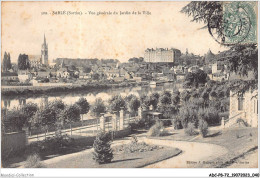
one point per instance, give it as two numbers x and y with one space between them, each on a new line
11 102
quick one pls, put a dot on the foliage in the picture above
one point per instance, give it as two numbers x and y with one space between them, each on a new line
29 110
87 69
102 148
208 12
84 105
151 100
95 76
6 62
195 78
188 113
136 60
71 114
98 107
165 98
134 147
176 122
134 104
57 105
210 115
175 98
117 103
203 127
190 129
240 58
157 130
23 62
15 120
45 117
33 161
185 95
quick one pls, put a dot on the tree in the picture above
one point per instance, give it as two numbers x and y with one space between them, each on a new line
95 76
87 69
71 114
98 107
72 67
117 103
195 78
6 62
176 98
23 62
29 111
136 60
154 100
45 118
57 105
15 120
185 95
102 148
133 105
203 127
83 105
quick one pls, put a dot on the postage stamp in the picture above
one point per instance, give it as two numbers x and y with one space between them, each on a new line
239 22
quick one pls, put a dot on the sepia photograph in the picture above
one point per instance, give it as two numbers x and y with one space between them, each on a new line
127 84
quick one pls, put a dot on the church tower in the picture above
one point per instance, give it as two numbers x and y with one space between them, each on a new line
44 54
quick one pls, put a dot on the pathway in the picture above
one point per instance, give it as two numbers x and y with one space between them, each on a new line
193 153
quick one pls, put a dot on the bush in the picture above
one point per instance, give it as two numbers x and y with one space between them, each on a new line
176 122
157 130
33 161
136 147
203 127
102 148
190 129
210 115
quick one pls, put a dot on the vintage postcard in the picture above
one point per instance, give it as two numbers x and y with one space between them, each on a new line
129 84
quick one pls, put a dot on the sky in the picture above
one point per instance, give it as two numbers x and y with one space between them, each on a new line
100 36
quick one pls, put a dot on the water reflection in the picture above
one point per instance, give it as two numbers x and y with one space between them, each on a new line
11 102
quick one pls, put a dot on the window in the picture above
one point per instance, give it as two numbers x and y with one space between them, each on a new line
240 103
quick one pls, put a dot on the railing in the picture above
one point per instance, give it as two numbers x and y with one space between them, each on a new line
230 121
88 130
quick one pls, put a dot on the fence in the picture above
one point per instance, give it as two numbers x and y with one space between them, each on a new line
89 128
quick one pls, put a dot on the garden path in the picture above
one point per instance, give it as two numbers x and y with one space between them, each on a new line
193 153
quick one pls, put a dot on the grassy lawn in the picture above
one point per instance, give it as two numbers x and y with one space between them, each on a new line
238 142
121 160
78 145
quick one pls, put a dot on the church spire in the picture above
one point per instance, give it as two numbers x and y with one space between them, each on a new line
44 42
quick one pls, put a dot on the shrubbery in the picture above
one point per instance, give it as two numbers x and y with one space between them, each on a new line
102 148
157 130
33 161
203 127
190 129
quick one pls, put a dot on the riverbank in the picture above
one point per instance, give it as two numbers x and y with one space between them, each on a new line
36 90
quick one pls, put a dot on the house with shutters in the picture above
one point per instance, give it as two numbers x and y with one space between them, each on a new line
243 108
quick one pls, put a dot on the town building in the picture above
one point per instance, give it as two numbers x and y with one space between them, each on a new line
24 75
161 55
243 108
35 60
209 57
8 77
44 52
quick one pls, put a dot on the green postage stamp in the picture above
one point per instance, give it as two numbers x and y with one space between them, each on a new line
240 22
